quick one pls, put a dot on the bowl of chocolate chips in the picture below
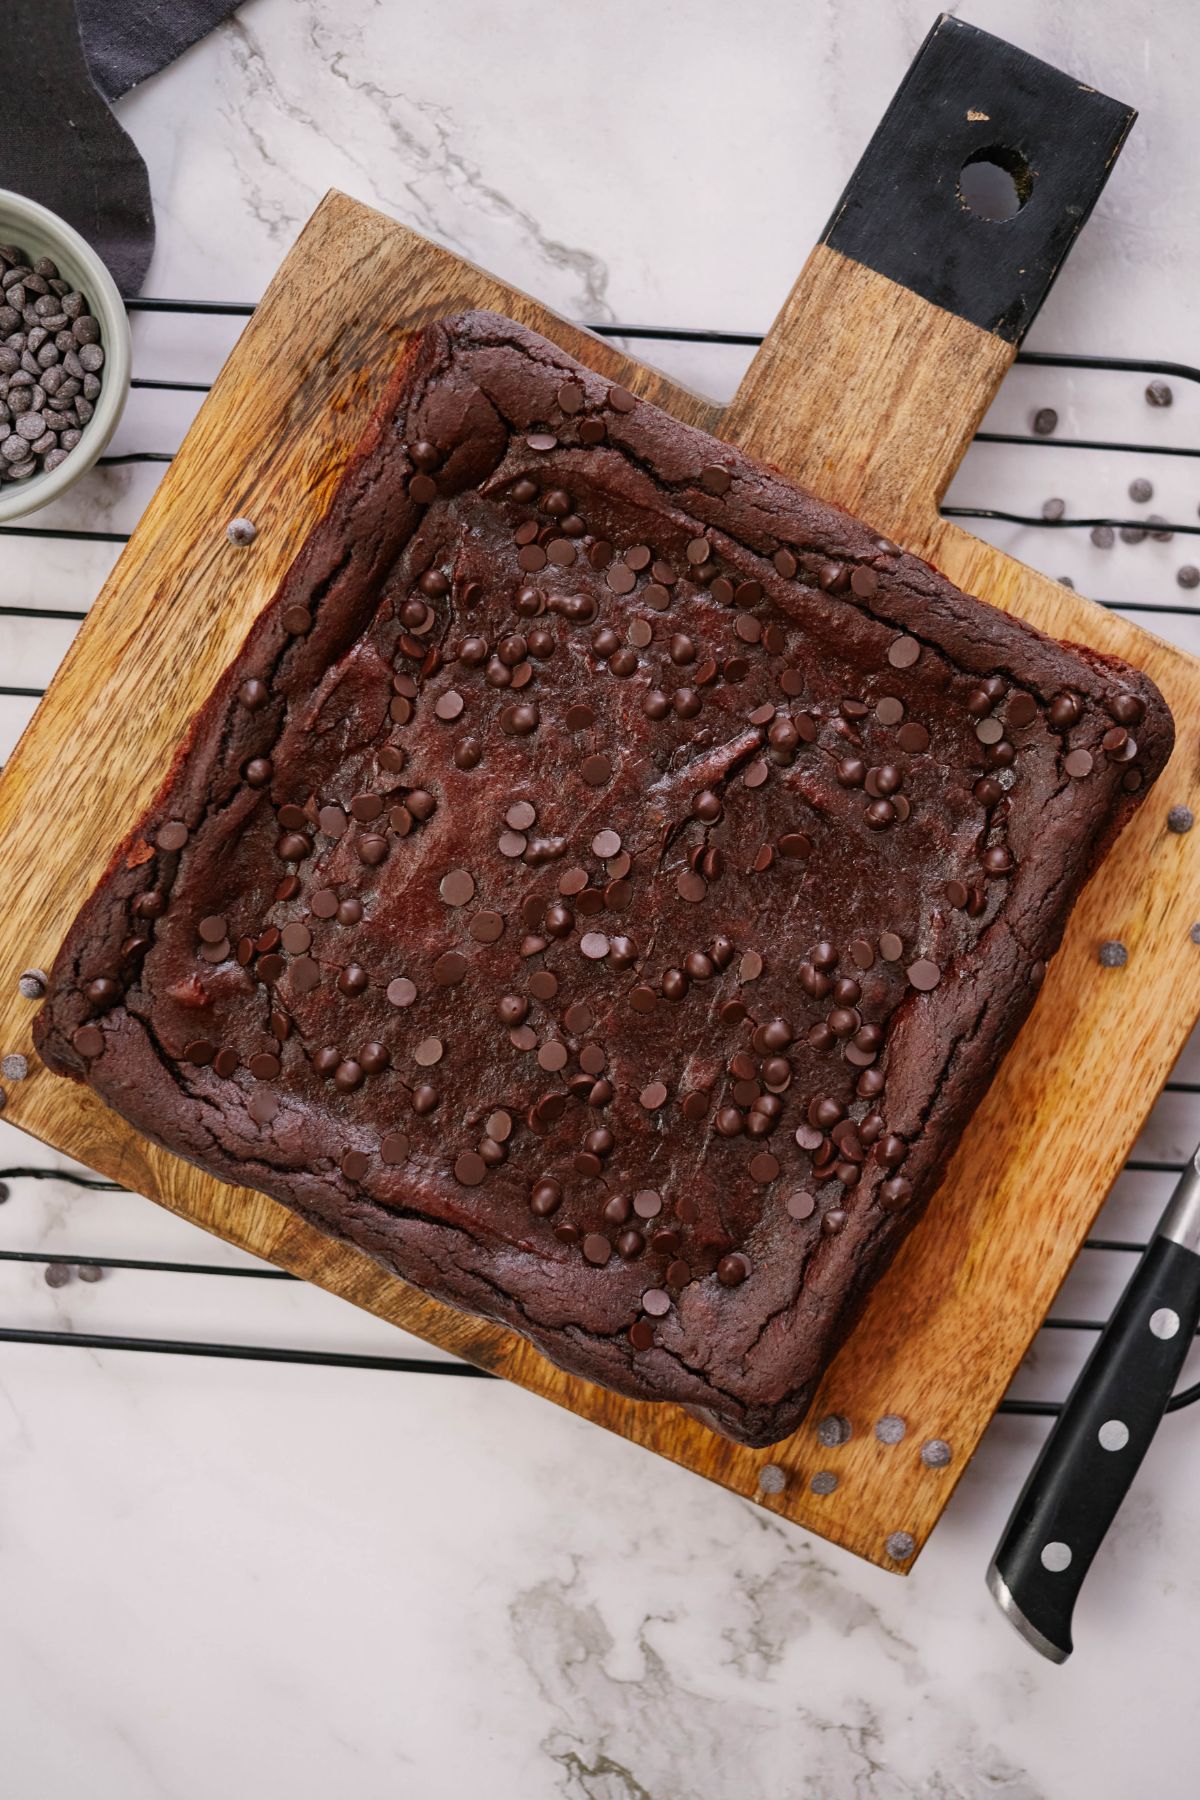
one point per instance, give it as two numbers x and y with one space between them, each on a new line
64 355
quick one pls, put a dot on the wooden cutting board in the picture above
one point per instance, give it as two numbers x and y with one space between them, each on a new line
868 392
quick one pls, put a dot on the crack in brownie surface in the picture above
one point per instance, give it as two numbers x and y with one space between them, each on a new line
604 883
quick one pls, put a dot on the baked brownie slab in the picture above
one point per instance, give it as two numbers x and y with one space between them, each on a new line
604 883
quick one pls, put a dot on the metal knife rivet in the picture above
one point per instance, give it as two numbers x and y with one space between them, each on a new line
772 1479
900 1545
1113 1434
890 1429
823 1482
1165 1322
14 1067
1056 1557
32 984
834 1430
241 532
935 1453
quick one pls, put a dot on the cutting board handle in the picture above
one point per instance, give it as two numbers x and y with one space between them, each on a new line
874 376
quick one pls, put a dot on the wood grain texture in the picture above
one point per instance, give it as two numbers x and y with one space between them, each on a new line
869 395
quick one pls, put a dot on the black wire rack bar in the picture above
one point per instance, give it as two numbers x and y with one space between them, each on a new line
64 1260
334 1359
263 1272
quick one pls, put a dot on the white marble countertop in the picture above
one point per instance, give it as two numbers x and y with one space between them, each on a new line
229 1578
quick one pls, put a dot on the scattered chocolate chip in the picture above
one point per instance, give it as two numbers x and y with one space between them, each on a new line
913 738
1113 955
895 1193
596 770
715 479
393 1149
457 888
352 980
487 927
732 1270
401 992
241 532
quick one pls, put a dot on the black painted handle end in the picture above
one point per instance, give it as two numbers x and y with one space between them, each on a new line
970 98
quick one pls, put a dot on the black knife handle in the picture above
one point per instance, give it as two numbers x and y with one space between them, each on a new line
1096 1447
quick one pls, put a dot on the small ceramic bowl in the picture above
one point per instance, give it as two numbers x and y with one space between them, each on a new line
39 232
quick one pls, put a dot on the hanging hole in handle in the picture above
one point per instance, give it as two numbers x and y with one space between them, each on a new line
995 182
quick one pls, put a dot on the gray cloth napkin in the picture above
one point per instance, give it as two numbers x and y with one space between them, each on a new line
124 42
61 144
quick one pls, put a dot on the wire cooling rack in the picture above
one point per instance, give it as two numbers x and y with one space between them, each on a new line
15 1176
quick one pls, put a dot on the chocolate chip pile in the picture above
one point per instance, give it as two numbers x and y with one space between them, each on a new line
50 362
604 897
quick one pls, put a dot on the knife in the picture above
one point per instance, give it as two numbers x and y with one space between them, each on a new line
1097 1444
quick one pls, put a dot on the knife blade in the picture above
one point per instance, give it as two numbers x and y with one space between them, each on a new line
1096 1446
